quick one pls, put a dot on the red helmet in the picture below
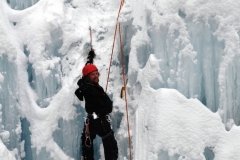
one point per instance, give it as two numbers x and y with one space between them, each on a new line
88 69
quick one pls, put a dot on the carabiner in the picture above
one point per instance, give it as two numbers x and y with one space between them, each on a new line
108 118
90 143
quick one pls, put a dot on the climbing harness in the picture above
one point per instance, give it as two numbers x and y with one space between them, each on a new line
108 134
88 141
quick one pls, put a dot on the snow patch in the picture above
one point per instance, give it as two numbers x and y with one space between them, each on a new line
5 153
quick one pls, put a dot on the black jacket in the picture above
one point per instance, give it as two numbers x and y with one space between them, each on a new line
96 99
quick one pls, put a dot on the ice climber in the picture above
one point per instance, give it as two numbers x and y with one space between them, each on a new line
98 106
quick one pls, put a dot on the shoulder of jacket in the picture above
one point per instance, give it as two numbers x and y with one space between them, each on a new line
90 84
91 89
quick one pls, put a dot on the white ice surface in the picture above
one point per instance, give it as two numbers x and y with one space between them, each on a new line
5 154
173 50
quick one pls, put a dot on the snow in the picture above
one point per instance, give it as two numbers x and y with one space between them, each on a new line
181 60
178 125
5 153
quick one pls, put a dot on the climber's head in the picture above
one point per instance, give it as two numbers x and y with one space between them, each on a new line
91 73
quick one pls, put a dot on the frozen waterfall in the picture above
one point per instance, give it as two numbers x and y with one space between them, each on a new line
182 63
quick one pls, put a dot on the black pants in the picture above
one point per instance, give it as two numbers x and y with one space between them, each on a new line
102 128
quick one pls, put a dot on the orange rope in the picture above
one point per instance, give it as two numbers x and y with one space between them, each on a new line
125 94
121 4
124 81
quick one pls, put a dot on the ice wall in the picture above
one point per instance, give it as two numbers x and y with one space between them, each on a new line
197 48
191 46
9 116
16 68
46 52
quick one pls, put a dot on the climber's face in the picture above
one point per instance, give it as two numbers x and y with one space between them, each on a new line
94 77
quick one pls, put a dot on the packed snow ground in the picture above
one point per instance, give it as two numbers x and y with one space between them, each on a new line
172 50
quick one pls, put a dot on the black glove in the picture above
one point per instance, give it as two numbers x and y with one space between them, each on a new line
91 54
82 87
81 82
90 57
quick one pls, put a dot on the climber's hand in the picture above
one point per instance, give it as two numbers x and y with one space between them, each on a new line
91 54
81 82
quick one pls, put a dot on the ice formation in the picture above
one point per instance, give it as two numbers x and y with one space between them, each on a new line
182 63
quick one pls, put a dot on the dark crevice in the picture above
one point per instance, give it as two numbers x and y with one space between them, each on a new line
208 153
127 33
21 5
182 14
26 137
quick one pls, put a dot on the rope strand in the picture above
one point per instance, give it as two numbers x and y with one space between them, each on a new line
123 74
110 64
125 93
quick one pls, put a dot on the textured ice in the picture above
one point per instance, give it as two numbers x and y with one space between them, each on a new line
181 58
